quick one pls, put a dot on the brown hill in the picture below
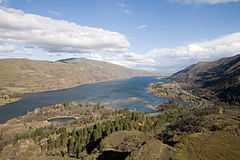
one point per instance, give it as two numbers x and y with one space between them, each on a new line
220 79
23 75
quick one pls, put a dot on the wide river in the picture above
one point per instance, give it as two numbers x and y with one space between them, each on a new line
131 93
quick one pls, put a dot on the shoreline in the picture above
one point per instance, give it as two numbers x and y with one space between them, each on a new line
4 101
25 92
177 95
84 94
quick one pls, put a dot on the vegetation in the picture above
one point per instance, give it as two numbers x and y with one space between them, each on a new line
45 75
5 99
152 149
80 138
177 95
215 81
60 142
217 145
210 128
105 133
214 131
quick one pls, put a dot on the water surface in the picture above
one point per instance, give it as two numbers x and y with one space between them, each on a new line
61 120
131 93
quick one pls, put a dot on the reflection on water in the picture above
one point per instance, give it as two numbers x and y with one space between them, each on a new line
61 120
131 93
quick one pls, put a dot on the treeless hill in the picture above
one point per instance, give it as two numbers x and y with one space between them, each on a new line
24 75
220 78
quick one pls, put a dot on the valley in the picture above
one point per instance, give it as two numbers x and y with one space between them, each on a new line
119 80
21 76
142 118
129 93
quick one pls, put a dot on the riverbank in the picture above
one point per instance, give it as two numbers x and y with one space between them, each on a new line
84 113
7 100
177 95
15 94
130 93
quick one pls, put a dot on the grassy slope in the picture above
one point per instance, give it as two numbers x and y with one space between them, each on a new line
205 134
18 76
124 141
213 79
212 146
152 149
43 75
195 134
9 100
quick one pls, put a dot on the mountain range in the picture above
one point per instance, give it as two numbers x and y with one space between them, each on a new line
218 79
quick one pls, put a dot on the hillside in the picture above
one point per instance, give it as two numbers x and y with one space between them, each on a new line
219 79
23 75
93 131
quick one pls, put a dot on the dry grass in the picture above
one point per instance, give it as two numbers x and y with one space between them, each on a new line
7 101
152 150
22 75
213 146
124 141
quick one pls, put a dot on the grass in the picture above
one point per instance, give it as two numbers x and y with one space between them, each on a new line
7 101
219 145
152 149
188 134
124 141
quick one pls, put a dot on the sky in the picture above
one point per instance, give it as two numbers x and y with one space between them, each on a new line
159 35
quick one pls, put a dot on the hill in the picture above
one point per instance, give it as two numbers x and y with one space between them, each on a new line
93 131
19 76
218 79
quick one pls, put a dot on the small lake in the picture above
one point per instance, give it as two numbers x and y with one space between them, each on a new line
61 120
130 93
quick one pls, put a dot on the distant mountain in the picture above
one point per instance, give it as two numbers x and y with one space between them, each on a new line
24 75
220 79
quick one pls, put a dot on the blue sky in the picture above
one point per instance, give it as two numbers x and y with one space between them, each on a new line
164 35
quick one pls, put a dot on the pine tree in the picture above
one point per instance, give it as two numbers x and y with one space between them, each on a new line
71 146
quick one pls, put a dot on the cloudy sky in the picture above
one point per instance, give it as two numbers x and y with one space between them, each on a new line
161 35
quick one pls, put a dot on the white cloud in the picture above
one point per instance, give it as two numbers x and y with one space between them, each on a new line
211 2
57 37
138 58
182 56
6 48
18 27
169 60
143 26
128 59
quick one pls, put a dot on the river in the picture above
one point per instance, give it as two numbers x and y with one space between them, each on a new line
130 93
